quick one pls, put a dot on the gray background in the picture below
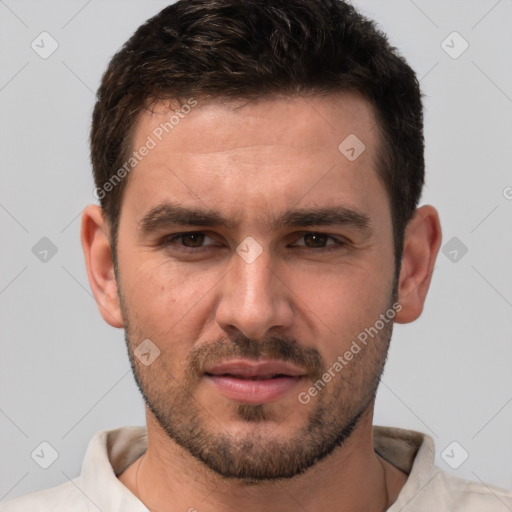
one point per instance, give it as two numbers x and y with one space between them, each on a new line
64 373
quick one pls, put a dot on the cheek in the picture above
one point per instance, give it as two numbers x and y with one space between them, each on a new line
340 303
163 299
359 285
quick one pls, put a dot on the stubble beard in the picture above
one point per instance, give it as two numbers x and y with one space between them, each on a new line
259 455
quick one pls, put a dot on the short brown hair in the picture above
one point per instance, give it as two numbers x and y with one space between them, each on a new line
256 48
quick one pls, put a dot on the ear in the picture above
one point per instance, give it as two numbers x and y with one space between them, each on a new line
100 267
421 245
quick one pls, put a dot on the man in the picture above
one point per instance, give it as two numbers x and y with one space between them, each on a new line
259 166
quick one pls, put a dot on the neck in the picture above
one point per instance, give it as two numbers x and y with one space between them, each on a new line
352 478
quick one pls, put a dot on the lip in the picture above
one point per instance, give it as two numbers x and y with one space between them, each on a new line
254 382
261 368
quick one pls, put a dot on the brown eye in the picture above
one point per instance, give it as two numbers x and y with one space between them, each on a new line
192 239
319 242
186 241
315 240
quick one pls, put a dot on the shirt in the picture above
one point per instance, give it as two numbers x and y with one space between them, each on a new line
428 488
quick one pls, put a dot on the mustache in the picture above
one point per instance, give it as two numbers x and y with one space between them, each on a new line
240 346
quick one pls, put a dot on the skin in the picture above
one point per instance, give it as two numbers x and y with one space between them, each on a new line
251 162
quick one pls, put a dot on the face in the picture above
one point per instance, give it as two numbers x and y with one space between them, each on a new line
258 260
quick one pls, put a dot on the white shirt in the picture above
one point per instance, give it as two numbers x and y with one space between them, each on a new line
428 489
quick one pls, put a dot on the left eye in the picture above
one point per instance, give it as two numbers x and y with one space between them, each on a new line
318 240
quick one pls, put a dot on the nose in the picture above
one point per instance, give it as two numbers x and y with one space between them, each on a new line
254 298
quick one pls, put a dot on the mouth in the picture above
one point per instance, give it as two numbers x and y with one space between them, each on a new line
254 382
256 377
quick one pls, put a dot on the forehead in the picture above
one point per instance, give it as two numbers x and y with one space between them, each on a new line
223 125
238 155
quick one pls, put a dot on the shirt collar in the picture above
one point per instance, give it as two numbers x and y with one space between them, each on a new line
110 452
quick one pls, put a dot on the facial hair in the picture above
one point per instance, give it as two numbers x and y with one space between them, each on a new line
258 456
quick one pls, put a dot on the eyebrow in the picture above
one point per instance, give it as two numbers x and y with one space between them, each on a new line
169 214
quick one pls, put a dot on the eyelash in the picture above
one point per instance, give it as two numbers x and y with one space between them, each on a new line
171 239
